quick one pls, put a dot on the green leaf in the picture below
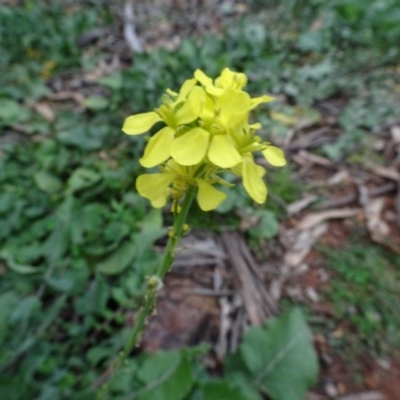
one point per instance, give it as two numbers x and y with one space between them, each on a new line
60 283
113 81
25 308
152 230
99 353
268 226
57 243
225 390
95 103
279 353
14 266
12 112
47 182
82 178
119 260
8 301
95 299
167 375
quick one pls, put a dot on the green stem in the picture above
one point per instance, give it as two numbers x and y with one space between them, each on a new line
149 300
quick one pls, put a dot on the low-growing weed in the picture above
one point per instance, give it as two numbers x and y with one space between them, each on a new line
364 290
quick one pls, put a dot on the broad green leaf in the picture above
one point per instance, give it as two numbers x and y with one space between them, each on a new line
57 243
166 375
95 299
12 112
47 182
99 353
225 390
281 353
81 138
267 227
95 103
119 260
25 308
113 81
60 283
82 178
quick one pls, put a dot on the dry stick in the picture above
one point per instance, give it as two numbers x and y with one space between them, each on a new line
130 35
350 198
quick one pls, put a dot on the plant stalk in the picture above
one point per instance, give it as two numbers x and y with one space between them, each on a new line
150 297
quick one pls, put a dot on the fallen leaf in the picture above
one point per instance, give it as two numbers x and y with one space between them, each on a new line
339 177
378 228
302 245
395 132
45 111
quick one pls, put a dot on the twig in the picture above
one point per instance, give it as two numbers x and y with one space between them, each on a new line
133 41
350 198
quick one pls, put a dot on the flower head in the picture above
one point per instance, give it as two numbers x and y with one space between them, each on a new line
206 131
174 180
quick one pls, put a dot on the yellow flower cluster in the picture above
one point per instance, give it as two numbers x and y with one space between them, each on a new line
206 131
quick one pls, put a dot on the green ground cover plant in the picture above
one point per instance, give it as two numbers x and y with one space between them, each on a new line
364 292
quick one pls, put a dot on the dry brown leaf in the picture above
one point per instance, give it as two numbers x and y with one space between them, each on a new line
378 228
314 219
339 177
45 111
302 246
395 132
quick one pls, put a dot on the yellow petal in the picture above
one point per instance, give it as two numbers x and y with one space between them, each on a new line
192 107
191 147
140 123
160 202
207 83
232 101
234 107
154 186
256 101
158 148
223 152
203 78
185 89
207 113
228 78
208 197
274 156
253 182
255 126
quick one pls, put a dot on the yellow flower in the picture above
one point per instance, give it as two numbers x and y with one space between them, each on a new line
174 113
206 131
174 181
228 80
212 140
